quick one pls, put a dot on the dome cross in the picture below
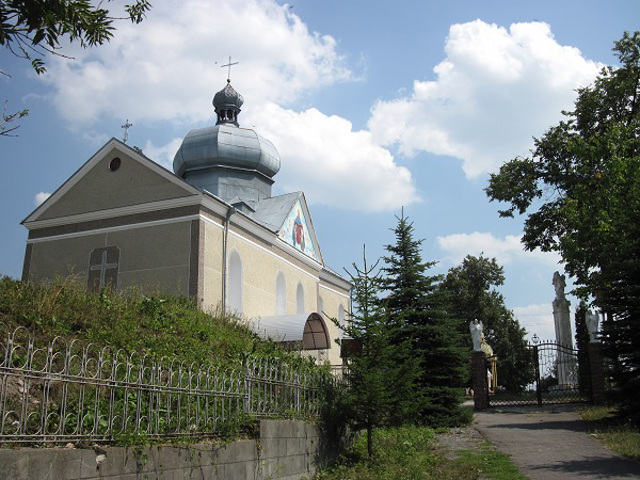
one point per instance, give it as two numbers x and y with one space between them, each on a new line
229 71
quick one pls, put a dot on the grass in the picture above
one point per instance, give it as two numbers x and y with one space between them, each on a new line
408 453
155 325
616 434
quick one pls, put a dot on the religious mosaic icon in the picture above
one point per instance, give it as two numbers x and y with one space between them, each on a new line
103 268
295 232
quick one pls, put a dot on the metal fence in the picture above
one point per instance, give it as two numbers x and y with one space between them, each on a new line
67 392
556 378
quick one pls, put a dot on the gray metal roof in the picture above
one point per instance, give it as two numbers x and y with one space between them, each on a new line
272 212
226 145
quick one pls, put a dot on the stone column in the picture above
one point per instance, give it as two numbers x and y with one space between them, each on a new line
479 380
562 322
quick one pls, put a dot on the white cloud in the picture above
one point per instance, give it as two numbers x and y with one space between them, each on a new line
163 70
164 154
322 156
495 89
505 251
40 198
537 319
333 164
165 67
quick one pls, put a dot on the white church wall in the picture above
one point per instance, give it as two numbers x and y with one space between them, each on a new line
212 264
281 293
334 301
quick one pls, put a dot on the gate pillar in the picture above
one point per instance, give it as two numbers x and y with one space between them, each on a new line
479 380
596 372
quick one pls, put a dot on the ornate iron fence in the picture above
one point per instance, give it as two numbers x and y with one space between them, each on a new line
276 389
556 378
68 392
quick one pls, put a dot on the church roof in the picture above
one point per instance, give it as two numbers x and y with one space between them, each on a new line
226 145
227 98
272 212
288 216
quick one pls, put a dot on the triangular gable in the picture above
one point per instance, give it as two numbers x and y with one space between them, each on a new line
297 230
97 186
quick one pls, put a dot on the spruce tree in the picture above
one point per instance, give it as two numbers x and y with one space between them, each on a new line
416 316
582 344
370 368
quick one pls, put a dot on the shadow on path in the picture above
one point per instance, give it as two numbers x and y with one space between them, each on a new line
552 443
599 467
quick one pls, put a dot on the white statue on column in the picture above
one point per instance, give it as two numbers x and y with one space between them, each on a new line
592 319
561 314
475 328
562 321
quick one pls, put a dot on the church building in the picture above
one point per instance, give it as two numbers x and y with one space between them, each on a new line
211 230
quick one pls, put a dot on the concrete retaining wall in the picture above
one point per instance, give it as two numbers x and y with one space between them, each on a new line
286 449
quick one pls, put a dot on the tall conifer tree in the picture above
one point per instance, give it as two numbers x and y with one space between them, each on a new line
416 314
371 366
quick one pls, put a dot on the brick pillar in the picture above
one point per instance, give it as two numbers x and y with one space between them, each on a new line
479 380
596 372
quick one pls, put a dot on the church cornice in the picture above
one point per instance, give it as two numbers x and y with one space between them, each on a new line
335 279
114 213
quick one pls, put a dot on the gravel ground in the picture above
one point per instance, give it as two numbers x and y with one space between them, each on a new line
456 439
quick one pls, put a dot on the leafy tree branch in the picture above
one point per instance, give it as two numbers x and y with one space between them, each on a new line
31 29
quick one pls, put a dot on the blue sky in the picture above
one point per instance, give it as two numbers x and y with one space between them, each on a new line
372 105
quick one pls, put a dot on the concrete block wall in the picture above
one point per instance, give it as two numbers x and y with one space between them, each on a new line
286 449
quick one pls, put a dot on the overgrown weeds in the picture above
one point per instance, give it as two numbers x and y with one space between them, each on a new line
612 430
157 325
408 453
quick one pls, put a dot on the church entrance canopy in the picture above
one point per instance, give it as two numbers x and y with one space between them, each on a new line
309 331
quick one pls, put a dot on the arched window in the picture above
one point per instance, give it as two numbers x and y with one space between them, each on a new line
281 294
299 299
315 335
234 283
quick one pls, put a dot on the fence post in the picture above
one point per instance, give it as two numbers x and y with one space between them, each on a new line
479 381
536 359
596 372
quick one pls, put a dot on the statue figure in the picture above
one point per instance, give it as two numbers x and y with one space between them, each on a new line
475 328
592 319
559 284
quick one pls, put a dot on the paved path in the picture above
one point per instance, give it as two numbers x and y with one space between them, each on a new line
552 443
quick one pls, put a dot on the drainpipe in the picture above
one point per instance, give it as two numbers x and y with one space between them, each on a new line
225 241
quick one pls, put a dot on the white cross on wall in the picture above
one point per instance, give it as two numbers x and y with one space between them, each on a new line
103 266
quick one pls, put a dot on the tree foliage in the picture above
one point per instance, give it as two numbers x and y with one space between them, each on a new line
416 313
30 29
471 290
582 345
580 192
369 396
580 188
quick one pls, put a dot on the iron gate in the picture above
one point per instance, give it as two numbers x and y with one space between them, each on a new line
558 375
